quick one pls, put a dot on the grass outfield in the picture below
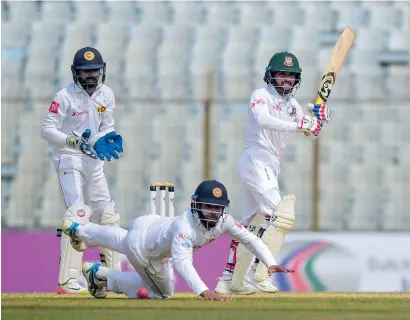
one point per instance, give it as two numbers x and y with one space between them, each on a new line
289 306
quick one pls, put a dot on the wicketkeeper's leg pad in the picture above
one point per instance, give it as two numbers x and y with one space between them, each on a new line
110 217
70 259
274 235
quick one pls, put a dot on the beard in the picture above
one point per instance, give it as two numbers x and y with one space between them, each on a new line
284 86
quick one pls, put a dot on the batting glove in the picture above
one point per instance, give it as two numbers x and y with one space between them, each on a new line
320 111
310 124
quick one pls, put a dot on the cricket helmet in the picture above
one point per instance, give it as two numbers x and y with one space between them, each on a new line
209 204
283 62
89 59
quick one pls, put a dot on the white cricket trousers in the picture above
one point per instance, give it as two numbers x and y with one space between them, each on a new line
259 176
82 181
259 172
154 275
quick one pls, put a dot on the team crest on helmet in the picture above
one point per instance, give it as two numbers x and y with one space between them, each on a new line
89 55
288 61
217 192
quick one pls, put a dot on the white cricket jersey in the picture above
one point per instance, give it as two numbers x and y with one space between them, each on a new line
73 109
270 119
179 237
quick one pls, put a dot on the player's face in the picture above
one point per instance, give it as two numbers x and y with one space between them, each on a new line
210 214
285 80
89 77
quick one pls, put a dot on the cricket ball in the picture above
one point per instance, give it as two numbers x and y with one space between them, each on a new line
142 293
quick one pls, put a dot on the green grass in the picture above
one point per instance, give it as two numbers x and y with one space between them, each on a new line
286 306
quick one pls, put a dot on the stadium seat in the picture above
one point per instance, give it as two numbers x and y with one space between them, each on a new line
73 41
27 9
61 9
382 16
155 12
255 15
398 82
186 12
52 206
160 56
122 11
94 9
347 14
221 13
371 89
396 42
313 9
283 13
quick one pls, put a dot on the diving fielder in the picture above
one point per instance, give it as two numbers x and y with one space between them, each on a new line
79 125
273 113
151 241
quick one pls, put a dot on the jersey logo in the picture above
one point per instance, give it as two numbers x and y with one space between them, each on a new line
89 55
258 101
101 109
186 240
79 113
288 61
54 107
293 113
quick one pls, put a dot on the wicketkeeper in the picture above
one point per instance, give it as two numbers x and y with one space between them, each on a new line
79 125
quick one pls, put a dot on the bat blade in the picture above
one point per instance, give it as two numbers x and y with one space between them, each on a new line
336 60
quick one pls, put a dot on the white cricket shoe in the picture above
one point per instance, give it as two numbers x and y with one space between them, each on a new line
96 286
70 229
262 286
225 287
71 287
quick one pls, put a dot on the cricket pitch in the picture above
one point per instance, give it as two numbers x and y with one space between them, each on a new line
289 306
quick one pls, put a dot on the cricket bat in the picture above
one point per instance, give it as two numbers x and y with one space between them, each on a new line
336 61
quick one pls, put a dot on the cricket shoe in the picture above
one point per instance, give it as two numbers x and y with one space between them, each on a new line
70 229
225 287
262 286
96 286
71 287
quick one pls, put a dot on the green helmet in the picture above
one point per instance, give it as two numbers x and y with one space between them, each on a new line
285 62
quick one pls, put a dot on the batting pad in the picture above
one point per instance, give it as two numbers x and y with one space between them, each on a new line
243 256
274 235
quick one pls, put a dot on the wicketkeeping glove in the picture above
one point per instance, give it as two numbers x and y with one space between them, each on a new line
109 146
81 143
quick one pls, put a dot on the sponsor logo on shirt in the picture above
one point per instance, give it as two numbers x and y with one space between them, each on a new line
258 101
79 113
277 107
185 239
53 107
293 112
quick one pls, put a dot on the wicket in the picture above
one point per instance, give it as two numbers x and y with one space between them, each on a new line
162 203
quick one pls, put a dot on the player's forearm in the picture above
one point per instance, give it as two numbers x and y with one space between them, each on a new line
187 271
261 251
268 122
54 136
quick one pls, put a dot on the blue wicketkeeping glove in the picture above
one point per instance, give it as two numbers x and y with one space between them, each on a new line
109 146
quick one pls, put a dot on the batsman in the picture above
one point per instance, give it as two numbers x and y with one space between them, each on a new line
273 113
